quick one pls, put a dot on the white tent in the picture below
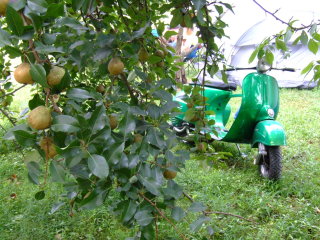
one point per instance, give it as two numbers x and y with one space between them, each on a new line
250 25
299 56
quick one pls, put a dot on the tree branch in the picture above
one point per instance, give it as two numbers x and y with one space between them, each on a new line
206 213
124 79
7 116
162 215
282 21
11 93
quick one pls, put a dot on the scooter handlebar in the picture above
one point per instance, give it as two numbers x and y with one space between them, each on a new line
254 68
285 69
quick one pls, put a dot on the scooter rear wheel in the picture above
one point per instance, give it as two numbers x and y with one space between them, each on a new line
270 165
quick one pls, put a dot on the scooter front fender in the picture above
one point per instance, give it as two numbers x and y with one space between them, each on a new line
269 133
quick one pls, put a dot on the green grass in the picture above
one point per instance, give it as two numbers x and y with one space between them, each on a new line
286 209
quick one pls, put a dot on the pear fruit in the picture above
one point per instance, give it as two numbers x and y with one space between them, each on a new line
100 88
202 147
160 53
22 74
190 105
113 122
39 118
169 174
3 7
138 138
55 75
143 55
115 66
47 145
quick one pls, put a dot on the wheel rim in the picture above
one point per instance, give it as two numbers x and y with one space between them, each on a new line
264 166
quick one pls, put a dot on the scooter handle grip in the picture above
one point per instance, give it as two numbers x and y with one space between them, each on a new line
288 69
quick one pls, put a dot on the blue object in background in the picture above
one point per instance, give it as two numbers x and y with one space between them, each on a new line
154 32
191 55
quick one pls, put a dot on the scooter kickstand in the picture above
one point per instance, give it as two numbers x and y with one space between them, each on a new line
243 155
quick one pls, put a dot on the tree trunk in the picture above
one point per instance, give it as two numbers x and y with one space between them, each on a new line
181 73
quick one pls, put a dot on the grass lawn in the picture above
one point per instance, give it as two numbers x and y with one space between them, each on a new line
287 209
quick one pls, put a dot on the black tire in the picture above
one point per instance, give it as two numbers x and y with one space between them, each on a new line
270 165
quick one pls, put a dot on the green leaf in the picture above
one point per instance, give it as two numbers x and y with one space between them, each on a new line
36 101
129 211
307 68
36 20
38 6
295 42
154 59
13 51
18 5
196 225
4 38
56 207
198 4
155 138
10 134
313 28
114 152
177 213
224 76
98 166
151 185
77 4
39 195
147 232
94 200
98 119
260 53
65 123
33 172
281 45
316 36
219 9
304 38
140 32
70 22
55 10
227 5
269 56
197 207
176 19
78 94
143 217
253 55
127 124
187 20
313 46
288 35
173 190
169 34
14 21
25 138
57 172
38 74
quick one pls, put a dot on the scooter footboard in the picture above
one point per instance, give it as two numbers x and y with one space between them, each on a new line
269 133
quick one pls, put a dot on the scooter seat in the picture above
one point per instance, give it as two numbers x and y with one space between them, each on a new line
219 85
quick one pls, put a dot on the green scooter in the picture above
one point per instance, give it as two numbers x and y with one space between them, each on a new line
255 123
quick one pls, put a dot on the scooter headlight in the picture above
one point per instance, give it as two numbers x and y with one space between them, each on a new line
270 112
263 66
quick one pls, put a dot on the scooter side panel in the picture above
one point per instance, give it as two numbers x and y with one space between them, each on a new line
270 133
258 91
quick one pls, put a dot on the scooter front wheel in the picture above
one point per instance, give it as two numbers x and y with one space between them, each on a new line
270 165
